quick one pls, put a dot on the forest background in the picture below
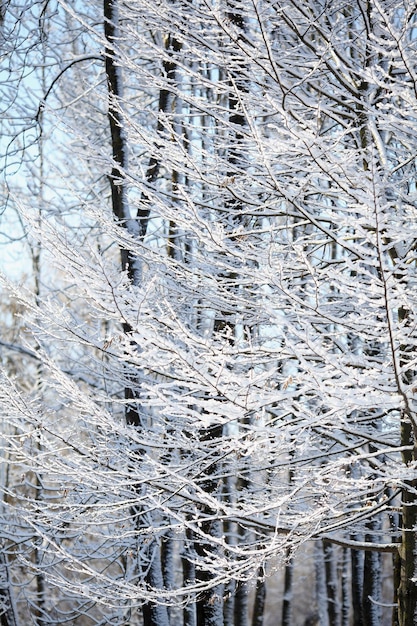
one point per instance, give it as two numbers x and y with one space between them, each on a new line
208 314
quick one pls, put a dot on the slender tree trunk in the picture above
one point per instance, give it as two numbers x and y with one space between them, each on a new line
395 523
149 556
357 568
118 137
210 602
333 607
189 576
287 600
229 529
321 592
345 588
259 600
241 608
229 604
407 590
372 581
168 562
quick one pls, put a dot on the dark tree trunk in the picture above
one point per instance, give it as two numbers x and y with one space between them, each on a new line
241 608
189 575
210 602
395 523
287 600
260 600
149 556
357 567
407 590
345 588
372 581
331 584
321 592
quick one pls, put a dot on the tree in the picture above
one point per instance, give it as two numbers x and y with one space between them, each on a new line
242 381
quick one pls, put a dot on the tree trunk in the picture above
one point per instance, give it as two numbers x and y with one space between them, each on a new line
210 602
259 600
333 608
395 524
372 581
321 593
345 588
188 571
357 567
241 612
149 556
407 590
287 600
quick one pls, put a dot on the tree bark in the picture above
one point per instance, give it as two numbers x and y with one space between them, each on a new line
407 590
189 576
287 598
149 556
209 605
357 568
260 599
321 592
372 581
333 607
345 589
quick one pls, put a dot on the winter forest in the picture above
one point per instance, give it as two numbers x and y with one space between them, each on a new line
208 313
